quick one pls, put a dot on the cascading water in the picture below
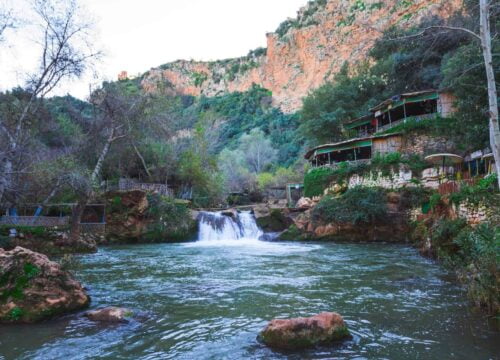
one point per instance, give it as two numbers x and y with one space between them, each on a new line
217 228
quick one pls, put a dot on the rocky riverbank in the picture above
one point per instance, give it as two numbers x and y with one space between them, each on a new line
33 288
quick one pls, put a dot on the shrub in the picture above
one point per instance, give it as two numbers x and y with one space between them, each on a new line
443 235
480 193
434 200
473 253
357 205
386 163
170 220
414 196
317 180
477 264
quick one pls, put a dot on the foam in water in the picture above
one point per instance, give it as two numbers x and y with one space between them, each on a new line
218 229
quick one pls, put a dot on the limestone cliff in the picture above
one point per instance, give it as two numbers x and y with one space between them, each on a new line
302 53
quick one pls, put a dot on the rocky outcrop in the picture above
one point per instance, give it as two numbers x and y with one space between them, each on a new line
138 216
272 216
126 217
394 228
300 333
302 54
110 314
33 288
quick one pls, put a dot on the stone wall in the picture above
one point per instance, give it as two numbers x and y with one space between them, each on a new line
422 144
396 180
473 214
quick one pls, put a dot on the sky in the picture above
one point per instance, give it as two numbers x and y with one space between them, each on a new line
136 35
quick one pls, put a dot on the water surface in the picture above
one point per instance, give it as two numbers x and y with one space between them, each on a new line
204 301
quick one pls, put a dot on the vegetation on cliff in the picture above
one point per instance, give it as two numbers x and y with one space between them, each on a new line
358 205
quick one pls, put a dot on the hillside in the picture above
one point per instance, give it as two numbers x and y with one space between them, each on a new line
303 52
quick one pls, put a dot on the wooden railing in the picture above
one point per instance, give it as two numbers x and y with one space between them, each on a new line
349 163
417 118
129 184
45 221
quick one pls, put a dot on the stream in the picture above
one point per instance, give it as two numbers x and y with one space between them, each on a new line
209 299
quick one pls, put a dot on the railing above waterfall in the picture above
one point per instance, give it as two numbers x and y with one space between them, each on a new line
131 184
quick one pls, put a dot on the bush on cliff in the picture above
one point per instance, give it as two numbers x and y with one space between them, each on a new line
357 205
478 266
169 220
317 180
474 253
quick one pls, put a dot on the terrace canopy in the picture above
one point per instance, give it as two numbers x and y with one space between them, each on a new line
351 150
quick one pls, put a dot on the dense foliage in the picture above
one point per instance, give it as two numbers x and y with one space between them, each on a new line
164 139
170 220
474 253
358 205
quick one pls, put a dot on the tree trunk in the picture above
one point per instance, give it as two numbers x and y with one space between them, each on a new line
76 217
143 162
485 35
77 213
5 177
100 161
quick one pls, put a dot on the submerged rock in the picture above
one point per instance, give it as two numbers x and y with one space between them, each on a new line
300 333
33 288
110 314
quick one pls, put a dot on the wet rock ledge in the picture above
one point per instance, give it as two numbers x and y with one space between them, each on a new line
33 288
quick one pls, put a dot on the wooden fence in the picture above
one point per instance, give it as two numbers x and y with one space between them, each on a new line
129 184
45 221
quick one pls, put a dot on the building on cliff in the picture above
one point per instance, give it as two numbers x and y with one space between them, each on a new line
368 131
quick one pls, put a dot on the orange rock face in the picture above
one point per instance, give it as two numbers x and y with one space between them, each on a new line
309 53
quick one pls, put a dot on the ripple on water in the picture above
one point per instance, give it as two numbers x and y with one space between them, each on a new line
210 302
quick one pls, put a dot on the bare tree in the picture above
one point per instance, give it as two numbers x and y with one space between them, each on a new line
7 21
65 53
115 115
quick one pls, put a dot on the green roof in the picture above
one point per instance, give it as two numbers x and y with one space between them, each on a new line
406 99
352 145
360 122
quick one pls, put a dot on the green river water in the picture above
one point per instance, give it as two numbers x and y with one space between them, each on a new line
203 301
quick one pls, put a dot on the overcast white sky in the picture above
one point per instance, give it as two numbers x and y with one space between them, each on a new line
136 35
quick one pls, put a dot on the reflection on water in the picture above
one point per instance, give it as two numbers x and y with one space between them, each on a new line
209 302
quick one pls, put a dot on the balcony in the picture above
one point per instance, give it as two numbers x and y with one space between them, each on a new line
335 165
417 118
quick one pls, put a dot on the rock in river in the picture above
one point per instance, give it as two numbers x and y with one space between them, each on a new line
109 314
300 333
33 288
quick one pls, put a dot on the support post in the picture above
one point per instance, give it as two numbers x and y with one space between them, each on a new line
404 108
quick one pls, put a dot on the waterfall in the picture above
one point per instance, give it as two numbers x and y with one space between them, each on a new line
221 229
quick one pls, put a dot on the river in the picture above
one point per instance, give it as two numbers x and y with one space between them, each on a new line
209 299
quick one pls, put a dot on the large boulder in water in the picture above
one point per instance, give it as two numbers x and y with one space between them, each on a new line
33 288
300 333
